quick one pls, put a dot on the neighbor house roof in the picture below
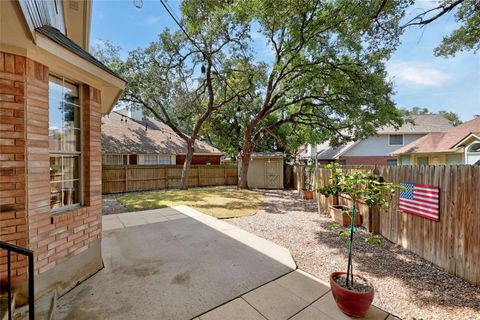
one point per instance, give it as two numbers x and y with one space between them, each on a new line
422 123
62 40
442 141
130 137
418 124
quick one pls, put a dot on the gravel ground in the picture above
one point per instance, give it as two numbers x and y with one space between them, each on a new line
110 205
405 284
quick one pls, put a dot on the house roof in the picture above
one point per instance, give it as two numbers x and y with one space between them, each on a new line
130 137
62 40
423 123
326 152
442 141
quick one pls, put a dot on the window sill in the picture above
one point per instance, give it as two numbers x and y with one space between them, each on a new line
65 209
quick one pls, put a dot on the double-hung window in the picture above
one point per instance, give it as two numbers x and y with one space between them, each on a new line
395 140
64 142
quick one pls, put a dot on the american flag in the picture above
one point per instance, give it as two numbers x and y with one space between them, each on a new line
420 200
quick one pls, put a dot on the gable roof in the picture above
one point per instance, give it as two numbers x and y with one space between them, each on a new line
422 123
62 40
130 137
442 141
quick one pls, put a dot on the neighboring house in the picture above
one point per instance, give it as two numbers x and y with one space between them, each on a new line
377 149
128 138
52 96
457 145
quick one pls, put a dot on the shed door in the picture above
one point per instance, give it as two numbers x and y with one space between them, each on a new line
272 174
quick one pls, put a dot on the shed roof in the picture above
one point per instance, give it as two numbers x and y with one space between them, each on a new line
130 137
442 141
267 155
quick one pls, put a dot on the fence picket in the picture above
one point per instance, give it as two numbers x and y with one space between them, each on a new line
453 243
118 179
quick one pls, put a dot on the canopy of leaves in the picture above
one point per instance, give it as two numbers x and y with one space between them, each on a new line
450 115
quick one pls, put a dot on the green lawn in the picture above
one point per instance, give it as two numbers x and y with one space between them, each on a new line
220 202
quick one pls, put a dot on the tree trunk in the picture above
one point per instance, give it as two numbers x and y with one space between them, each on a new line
245 162
186 164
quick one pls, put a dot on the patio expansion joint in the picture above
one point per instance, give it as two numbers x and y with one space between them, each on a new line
293 315
264 316
241 297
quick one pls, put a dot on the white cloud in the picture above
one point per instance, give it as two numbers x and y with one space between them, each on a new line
416 73
151 20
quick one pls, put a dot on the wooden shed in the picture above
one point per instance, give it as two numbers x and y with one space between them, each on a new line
266 170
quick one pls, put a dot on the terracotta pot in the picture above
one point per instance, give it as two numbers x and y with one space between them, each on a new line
352 303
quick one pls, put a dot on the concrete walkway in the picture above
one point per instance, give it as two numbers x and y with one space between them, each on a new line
172 264
178 263
296 296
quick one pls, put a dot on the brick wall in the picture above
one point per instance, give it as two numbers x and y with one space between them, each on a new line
12 161
54 237
199 159
380 160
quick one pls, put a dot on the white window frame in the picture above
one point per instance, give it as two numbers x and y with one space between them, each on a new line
396 145
391 160
79 154
125 159
154 159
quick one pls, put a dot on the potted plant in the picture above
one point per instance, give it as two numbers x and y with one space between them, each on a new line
307 190
354 293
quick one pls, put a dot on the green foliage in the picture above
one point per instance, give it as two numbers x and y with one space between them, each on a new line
449 115
359 185
467 36
325 78
373 240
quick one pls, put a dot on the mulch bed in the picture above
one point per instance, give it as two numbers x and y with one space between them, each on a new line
405 284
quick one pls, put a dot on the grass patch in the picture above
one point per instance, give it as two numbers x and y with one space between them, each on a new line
220 202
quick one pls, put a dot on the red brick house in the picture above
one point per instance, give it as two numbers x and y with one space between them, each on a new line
131 139
53 94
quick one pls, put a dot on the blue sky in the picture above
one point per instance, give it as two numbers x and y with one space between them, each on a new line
420 78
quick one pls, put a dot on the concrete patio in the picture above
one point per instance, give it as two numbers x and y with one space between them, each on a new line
178 263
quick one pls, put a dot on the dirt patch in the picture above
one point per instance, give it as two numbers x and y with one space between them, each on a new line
359 284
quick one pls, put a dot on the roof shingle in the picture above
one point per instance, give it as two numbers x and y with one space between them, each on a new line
441 141
130 137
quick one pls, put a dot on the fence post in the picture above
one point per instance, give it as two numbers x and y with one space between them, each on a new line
374 214
126 178
166 178
224 175
198 176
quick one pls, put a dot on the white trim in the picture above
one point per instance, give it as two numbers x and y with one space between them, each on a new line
468 136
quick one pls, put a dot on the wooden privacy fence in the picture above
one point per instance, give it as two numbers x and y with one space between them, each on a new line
452 243
128 178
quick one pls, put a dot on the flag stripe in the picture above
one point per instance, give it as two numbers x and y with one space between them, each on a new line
428 216
419 208
425 194
416 202
427 200
420 200
408 210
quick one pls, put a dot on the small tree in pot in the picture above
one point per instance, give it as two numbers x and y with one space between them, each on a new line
354 295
